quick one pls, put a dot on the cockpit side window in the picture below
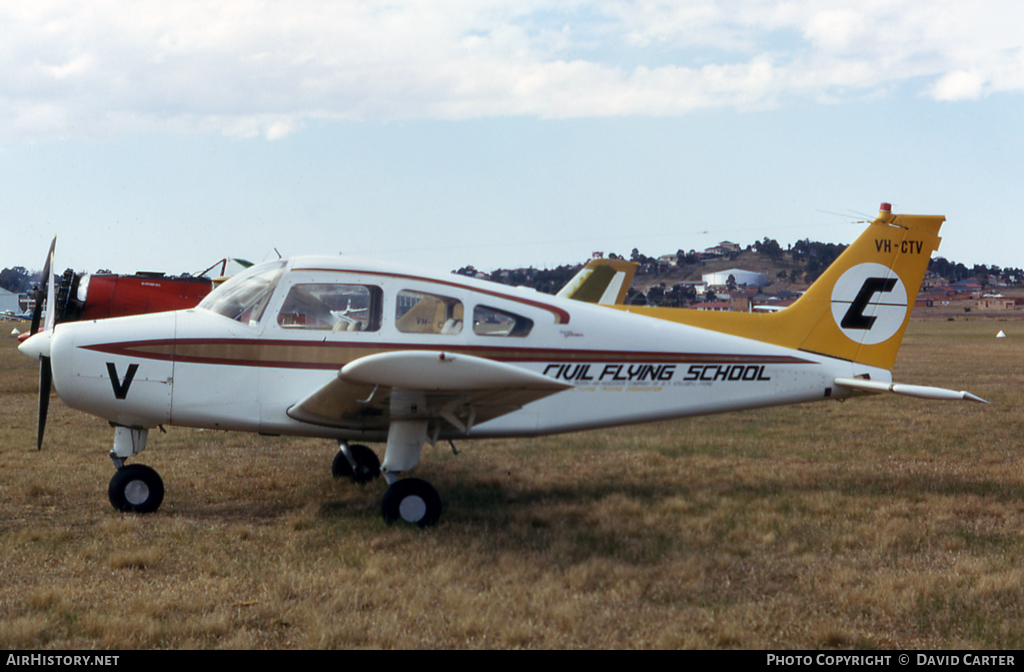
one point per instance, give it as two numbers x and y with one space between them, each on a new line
420 313
489 321
332 306
245 296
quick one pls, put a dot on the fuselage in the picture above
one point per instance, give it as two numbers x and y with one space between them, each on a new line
241 367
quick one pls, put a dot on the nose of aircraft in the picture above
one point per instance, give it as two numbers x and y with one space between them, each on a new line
38 345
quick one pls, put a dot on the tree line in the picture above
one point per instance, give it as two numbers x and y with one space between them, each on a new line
19 279
814 257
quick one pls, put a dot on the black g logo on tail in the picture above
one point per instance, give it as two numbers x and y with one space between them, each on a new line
855 317
869 303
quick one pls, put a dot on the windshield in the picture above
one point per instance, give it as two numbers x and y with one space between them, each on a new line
245 296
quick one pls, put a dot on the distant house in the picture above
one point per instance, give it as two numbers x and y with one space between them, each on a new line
741 304
714 306
931 299
8 302
966 286
995 303
742 277
773 302
933 281
772 306
723 249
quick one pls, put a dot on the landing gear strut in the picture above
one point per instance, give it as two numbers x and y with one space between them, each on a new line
355 462
409 500
134 488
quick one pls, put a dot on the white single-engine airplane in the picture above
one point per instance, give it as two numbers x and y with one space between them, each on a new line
337 348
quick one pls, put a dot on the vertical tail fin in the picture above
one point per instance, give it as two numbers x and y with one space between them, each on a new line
857 310
603 281
864 300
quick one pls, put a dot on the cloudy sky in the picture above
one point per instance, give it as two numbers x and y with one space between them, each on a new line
164 136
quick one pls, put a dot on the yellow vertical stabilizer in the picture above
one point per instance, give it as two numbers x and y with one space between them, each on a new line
857 310
604 281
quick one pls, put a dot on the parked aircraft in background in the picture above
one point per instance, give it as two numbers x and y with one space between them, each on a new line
96 296
8 315
354 351
603 281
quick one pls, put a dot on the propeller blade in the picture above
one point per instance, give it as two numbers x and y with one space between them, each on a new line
44 292
51 302
41 290
45 384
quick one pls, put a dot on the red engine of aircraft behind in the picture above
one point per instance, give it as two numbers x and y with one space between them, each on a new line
97 296
111 295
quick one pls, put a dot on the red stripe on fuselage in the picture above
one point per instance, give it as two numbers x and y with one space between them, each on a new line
319 355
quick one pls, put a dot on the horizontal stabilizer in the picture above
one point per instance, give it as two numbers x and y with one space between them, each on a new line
922 391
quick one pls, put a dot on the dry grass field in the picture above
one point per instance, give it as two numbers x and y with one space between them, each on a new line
876 523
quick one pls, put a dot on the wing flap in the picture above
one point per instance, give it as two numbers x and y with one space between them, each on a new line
342 404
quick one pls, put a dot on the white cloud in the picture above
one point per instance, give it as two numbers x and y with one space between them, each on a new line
260 68
959 85
838 30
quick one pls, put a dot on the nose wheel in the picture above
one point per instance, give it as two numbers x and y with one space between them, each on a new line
136 488
413 501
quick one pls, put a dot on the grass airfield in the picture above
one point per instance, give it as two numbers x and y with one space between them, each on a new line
882 522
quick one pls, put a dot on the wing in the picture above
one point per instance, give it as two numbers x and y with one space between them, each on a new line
460 390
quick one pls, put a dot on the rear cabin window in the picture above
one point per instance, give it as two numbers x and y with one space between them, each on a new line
331 307
420 313
489 321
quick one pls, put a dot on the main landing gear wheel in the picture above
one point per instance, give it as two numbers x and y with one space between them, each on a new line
367 464
412 500
136 488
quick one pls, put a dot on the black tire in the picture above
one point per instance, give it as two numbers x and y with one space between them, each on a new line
136 488
367 464
412 500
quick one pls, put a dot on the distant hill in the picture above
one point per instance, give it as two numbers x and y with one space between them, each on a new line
790 270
